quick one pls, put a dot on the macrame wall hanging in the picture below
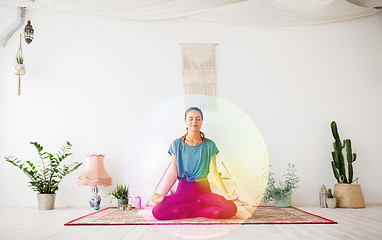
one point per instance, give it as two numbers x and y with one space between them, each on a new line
19 67
199 75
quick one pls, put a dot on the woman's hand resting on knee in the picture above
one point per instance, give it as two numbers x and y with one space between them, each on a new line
157 198
232 196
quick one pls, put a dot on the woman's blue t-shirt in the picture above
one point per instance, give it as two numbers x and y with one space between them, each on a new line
193 161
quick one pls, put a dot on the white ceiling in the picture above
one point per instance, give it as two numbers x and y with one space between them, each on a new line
245 12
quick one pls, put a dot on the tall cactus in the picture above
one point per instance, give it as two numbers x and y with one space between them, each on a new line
351 157
338 163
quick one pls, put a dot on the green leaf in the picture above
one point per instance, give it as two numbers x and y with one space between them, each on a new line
48 175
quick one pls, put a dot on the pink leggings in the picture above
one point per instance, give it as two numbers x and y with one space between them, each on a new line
194 199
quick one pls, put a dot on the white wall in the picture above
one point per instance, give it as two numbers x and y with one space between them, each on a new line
91 79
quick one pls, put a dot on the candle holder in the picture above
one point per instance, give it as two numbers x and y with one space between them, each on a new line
323 196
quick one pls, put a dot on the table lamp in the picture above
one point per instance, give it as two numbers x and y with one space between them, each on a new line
94 175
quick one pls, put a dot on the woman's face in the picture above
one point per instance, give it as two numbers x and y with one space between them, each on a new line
193 121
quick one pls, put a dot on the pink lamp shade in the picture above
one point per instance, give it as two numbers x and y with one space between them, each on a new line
94 173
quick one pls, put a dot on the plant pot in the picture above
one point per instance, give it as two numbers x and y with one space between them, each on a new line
284 201
331 202
123 204
19 69
46 201
349 195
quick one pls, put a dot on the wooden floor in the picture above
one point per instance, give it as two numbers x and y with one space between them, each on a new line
25 223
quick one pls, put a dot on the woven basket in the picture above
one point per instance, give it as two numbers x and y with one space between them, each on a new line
349 195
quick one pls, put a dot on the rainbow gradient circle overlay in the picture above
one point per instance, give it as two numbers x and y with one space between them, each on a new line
242 160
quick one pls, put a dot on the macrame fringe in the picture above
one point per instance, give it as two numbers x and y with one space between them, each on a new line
19 89
204 102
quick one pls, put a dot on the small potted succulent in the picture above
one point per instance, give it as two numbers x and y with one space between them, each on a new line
121 193
331 201
19 68
281 192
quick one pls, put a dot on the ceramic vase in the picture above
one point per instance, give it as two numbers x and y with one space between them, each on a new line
284 201
95 199
331 202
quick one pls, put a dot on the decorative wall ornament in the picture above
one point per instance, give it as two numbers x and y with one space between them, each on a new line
19 67
199 75
28 32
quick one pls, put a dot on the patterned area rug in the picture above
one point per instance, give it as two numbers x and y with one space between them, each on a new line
261 215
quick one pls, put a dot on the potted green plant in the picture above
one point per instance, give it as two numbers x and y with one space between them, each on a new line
348 195
46 177
121 193
331 201
19 68
281 191
19 59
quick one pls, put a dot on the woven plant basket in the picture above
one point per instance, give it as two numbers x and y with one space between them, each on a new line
349 195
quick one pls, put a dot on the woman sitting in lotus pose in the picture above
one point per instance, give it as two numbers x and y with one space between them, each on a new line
192 157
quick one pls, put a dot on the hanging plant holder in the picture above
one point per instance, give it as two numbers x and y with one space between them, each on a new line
19 67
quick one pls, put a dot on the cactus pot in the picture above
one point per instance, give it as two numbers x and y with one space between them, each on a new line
331 202
349 195
46 201
284 201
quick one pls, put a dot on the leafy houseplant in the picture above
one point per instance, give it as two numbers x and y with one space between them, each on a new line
121 193
46 177
348 195
19 59
281 191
